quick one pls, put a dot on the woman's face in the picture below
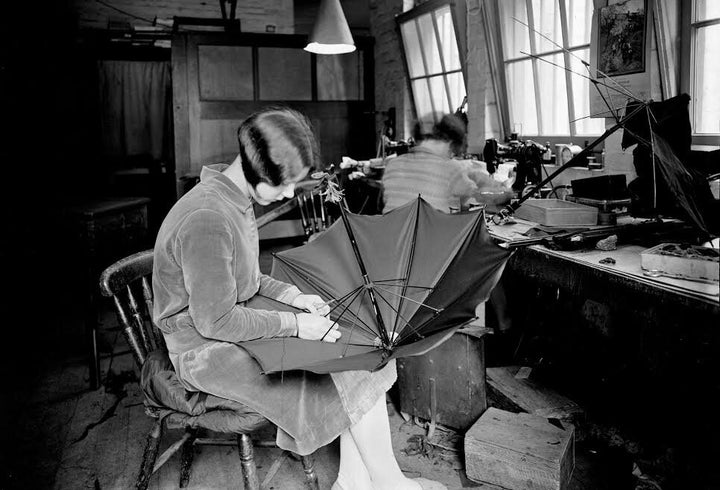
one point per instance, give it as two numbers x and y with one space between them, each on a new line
265 193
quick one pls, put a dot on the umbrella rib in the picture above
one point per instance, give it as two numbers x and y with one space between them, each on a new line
346 307
409 299
396 318
314 283
408 266
304 275
356 292
347 346
383 281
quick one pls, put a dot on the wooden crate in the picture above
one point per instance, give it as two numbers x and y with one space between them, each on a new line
556 212
446 385
519 451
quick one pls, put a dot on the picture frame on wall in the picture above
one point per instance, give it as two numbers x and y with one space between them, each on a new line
621 37
620 53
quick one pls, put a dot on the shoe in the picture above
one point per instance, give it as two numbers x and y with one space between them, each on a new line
426 484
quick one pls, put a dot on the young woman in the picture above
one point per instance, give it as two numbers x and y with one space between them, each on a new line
205 271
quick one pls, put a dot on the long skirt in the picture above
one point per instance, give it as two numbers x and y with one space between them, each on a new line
310 409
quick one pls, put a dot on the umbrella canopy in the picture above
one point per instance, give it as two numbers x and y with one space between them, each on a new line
398 284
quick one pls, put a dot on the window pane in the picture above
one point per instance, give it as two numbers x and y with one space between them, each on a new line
439 94
457 89
546 20
581 97
448 41
339 76
579 14
553 97
412 49
521 95
422 98
707 80
515 34
707 9
429 44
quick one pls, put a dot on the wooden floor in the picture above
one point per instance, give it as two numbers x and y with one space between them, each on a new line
57 433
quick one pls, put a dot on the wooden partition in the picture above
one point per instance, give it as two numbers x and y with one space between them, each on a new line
220 78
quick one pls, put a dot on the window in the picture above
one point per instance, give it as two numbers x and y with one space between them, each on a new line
545 97
700 75
432 59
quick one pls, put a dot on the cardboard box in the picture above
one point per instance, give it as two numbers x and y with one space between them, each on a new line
556 212
519 451
682 261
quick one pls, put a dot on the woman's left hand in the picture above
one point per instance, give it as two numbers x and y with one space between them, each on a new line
311 303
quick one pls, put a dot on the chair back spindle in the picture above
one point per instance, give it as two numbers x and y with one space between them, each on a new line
122 282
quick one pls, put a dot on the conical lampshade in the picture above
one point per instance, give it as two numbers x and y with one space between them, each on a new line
330 34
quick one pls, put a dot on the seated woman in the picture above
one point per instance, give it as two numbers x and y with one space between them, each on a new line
206 269
428 169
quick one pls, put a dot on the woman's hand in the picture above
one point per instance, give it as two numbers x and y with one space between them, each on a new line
311 303
315 327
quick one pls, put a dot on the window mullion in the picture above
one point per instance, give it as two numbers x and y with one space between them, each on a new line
569 88
442 59
534 61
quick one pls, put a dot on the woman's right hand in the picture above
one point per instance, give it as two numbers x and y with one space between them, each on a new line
316 327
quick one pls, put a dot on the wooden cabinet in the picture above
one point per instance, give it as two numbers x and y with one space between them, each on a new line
220 79
103 231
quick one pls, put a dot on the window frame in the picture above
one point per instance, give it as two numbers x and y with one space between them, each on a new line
566 51
413 14
688 34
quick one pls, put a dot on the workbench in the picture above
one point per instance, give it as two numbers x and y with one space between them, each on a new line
630 347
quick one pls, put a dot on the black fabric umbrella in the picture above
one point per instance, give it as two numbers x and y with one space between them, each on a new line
398 284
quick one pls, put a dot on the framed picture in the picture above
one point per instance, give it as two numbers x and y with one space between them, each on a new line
620 54
622 37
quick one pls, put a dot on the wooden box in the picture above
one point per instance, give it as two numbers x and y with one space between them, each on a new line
446 385
682 261
556 212
519 451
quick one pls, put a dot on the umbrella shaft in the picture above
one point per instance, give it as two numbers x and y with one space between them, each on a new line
371 294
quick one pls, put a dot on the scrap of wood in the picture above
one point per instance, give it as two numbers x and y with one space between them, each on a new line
273 470
529 396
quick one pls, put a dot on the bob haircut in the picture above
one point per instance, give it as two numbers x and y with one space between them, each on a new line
449 128
276 145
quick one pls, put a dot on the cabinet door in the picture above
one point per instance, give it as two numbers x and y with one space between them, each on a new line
219 80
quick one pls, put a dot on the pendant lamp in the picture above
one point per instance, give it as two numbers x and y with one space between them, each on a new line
330 34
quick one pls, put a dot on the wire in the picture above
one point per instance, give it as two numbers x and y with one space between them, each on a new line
124 12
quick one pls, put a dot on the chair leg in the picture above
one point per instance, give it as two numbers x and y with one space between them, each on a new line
187 453
149 455
247 462
311 479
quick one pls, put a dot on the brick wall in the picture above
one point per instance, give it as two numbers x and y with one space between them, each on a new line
390 84
254 15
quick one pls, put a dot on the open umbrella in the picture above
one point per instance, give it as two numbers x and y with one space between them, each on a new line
398 285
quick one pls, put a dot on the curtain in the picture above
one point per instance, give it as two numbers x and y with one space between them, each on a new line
135 109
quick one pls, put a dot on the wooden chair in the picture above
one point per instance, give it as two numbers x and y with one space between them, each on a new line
166 399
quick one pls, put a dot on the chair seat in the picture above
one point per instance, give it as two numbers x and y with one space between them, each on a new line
165 396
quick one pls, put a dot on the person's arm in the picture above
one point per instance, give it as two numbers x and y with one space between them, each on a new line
278 290
205 252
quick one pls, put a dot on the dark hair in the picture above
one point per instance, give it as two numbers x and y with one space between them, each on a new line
450 128
276 144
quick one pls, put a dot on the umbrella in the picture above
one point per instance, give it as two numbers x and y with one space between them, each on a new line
398 285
